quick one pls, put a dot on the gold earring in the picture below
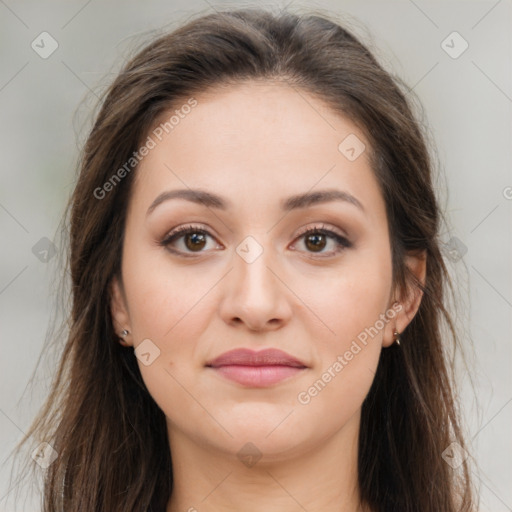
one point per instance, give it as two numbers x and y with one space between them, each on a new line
396 334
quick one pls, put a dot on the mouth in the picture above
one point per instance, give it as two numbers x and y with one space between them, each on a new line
256 369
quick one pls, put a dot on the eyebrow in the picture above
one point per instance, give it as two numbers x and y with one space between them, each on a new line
291 203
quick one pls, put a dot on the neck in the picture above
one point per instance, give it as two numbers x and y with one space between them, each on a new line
322 478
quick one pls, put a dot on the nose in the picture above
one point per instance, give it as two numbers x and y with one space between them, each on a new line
256 295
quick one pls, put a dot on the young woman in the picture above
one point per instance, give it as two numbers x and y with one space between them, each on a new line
258 318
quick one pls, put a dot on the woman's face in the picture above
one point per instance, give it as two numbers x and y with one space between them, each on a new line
246 276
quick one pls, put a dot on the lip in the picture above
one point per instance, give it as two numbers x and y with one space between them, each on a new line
256 369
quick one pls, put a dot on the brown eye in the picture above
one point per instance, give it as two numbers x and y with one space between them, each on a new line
195 241
316 242
186 240
317 239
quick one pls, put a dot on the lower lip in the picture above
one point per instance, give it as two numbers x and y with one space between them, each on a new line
257 376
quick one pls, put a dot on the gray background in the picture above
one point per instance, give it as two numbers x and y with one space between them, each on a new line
468 103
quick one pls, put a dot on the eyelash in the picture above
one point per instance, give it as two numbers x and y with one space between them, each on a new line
341 242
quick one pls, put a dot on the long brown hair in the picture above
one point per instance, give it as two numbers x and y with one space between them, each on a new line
109 434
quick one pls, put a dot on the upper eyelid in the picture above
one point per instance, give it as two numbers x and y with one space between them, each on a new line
322 227
190 227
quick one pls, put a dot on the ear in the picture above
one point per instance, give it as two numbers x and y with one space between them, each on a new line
409 300
119 312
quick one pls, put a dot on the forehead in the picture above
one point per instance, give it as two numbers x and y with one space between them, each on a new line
272 114
256 140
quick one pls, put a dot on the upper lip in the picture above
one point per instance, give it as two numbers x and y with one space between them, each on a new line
246 357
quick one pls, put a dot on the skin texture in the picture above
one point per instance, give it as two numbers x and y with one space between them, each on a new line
256 144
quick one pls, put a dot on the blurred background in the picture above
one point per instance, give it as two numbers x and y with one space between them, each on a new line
456 57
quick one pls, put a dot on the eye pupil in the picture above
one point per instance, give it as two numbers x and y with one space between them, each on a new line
315 238
197 239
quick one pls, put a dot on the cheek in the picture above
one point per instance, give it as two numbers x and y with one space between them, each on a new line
348 301
165 300
171 307
350 306
170 311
